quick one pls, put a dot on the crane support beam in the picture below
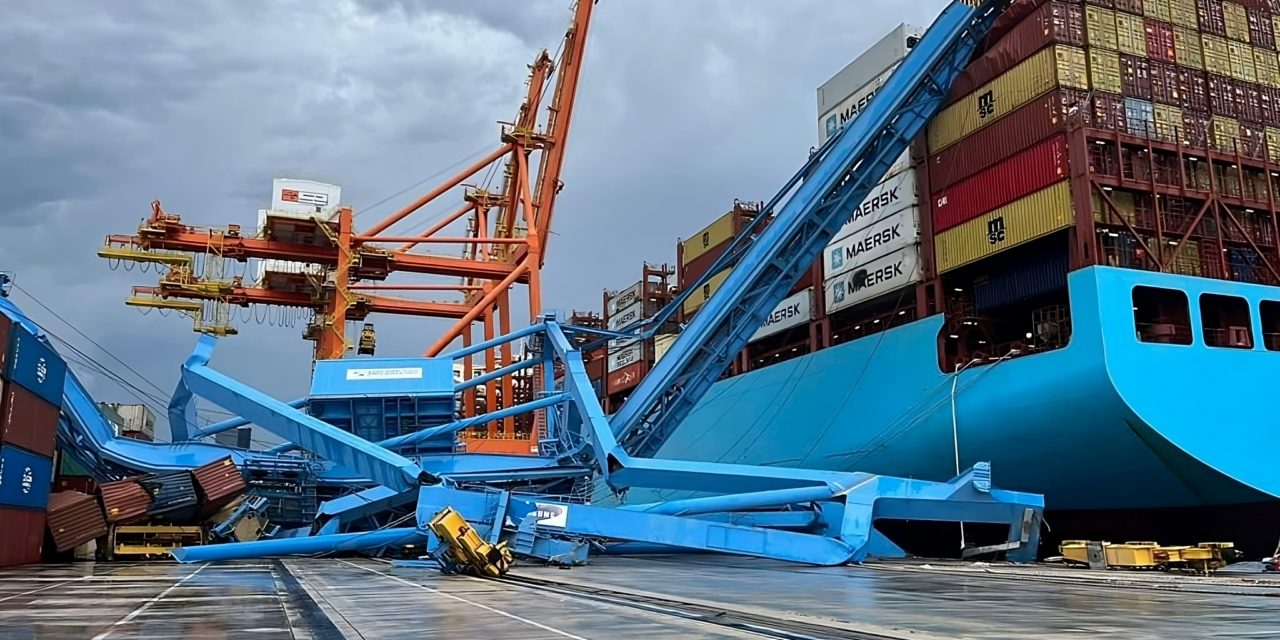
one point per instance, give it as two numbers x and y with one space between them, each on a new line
163 297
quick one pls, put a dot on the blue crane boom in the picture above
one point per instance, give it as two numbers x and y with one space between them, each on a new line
806 214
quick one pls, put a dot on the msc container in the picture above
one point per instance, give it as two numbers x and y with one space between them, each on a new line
1217 58
27 421
715 235
1131 6
888 51
218 482
1268 67
35 365
1160 10
1183 13
1243 65
1036 215
124 502
1164 83
5 324
1108 112
1188 50
1193 90
794 311
21 536
625 355
1051 23
1261 28
1211 17
626 378
662 344
888 274
1104 70
1236 21
173 496
1135 76
1020 175
1034 275
74 519
1021 129
895 194
704 293
1131 35
25 478
1101 28
1160 42
890 234
1141 117
1055 66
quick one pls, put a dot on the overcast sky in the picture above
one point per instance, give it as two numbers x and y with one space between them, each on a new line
104 106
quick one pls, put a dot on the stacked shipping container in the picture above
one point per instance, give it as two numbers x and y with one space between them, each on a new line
31 379
629 360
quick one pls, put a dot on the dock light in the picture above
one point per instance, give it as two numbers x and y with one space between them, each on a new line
902 313
954 337
858 328
877 321
1029 335
982 342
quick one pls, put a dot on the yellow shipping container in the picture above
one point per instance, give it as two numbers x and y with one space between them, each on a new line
1052 67
1159 9
1225 134
1237 21
1036 215
1243 66
709 238
1268 67
704 293
1131 34
1168 122
1273 144
1100 25
1124 206
1216 58
1104 71
1183 13
1186 44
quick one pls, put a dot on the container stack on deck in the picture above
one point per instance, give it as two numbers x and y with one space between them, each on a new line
31 378
628 361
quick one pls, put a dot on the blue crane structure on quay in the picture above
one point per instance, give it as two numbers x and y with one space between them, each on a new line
541 505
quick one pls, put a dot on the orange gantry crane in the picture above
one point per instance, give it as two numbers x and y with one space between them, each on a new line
321 263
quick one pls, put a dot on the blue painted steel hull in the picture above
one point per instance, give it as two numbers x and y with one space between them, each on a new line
1107 422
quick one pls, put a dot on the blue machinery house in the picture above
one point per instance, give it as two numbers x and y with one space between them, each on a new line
385 428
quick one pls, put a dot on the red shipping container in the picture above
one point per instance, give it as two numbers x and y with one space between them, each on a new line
1110 4
124 502
1054 22
27 421
1010 18
626 378
218 482
1222 99
1160 41
21 536
1195 128
1251 108
1193 89
1030 124
1109 112
1164 83
1019 176
1135 76
74 519
688 273
5 323
1212 18
1253 140
1129 6
1271 106
1261 28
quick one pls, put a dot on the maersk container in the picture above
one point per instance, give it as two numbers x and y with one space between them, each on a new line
893 195
1054 67
888 51
25 478
619 358
794 311
1050 23
27 420
35 365
853 251
886 275
845 111
1014 224
1021 129
626 317
1025 173
625 298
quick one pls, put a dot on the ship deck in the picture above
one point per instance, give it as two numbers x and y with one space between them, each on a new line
634 597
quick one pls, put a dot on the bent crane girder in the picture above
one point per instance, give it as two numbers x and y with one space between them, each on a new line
807 214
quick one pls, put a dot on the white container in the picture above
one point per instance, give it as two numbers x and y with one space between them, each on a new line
137 419
885 275
895 193
891 233
625 298
662 344
795 310
626 356
304 198
627 316
844 112
873 62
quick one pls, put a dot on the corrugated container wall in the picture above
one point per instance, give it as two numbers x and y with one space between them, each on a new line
173 496
1101 28
27 420
218 482
21 536
880 56
124 501
1051 23
35 366
1020 175
882 276
1036 215
74 519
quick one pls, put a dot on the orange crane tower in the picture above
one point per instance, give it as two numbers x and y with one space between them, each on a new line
340 274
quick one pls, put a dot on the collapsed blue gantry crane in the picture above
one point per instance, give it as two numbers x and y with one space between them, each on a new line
542 506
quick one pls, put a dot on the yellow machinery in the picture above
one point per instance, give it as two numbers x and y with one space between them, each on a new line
462 550
368 340
152 541
1202 558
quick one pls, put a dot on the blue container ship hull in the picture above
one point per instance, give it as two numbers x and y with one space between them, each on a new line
1120 435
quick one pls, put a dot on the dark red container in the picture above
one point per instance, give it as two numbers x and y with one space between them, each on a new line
1129 6
1196 129
1024 173
5 323
1212 18
1030 124
1109 112
75 483
1271 106
688 273
1164 83
1009 19
1193 89
1253 141
27 421
1261 28
626 378
1160 41
1222 97
21 536
1251 107
1110 4
1135 76
74 519
1053 22
218 482
124 502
